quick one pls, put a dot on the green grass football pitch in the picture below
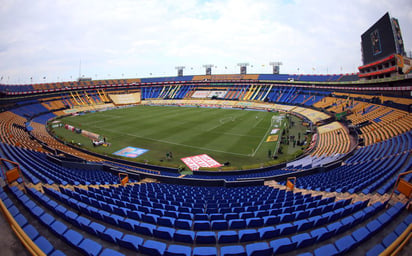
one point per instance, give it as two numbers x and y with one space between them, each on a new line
227 135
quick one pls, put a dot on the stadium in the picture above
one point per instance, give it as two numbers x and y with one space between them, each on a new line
215 164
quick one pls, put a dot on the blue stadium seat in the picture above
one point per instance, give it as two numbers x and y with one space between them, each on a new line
110 252
183 224
151 247
185 236
90 247
36 211
232 250
303 240
13 210
304 224
72 237
321 234
361 234
21 220
374 226
271 220
400 228
268 232
328 249
150 218
237 224
205 237
70 216
31 231
216 216
145 229
306 254
164 233
82 222
204 251
334 227
254 222
44 244
57 253
389 239
228 236
345 244
178 250
258 249
282 245
129 224
131 242
166 221
287 229
220 225
201 225
58 228
111 235
376 250
248 235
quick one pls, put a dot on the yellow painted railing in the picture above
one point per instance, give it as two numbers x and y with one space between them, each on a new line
399 243
23 237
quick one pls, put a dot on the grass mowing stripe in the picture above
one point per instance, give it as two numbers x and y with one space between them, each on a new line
224 134
179 144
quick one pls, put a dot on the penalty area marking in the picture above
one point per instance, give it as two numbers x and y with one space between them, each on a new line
222 121
227 119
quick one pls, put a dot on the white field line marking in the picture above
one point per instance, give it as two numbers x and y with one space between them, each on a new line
221 122
263 138
131 119
229 119
174 143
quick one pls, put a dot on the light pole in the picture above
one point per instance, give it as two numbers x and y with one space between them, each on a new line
275 65
180 70
243 68
208 68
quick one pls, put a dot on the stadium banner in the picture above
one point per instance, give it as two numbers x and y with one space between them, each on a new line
272 138
130 152
274 131
217 94
195 162
200 94
91 135
69 127
125 99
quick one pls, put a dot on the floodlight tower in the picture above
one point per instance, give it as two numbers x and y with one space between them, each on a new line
180 70
276 64
208 68
243 66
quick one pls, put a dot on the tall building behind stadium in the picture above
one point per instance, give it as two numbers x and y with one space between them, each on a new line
179 171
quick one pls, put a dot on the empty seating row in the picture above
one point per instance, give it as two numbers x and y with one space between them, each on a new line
390 238
395 145
147 246
354 178
41 169
349 242
42 242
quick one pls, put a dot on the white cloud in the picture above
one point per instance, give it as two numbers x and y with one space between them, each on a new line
136 38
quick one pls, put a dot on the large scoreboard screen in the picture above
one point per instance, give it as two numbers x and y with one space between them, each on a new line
379 41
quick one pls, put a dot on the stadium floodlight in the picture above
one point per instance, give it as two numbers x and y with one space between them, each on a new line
243 67
208 68
275 65
180 70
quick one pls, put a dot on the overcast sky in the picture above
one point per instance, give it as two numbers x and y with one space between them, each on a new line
139 38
